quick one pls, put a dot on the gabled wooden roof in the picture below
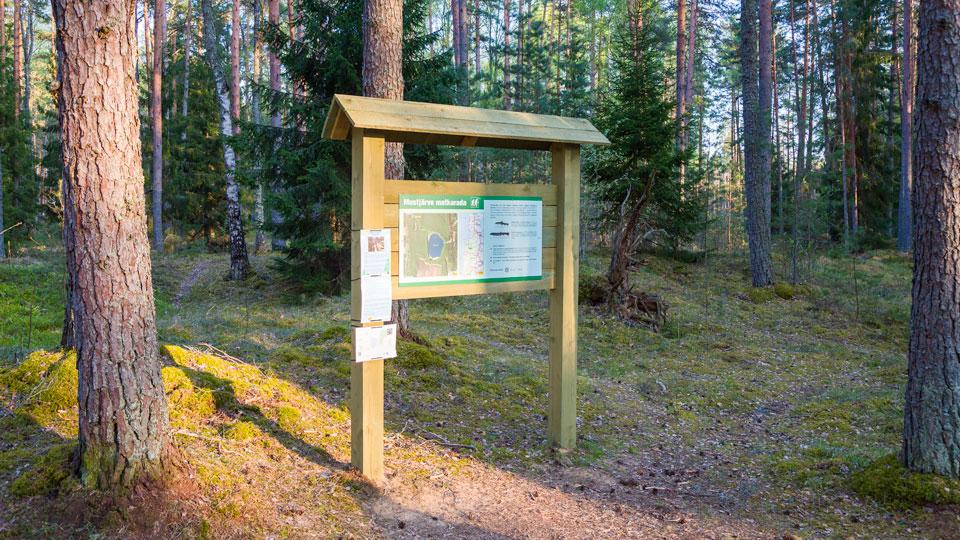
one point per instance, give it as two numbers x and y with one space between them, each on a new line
430 123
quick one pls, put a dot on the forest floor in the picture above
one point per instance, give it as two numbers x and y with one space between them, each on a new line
752 414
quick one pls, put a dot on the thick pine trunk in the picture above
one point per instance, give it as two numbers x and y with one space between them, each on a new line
122 405
156 121
931 431
904 218
383 78
239 262
757 217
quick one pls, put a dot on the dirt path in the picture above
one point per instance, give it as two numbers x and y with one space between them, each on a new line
567 502
188 282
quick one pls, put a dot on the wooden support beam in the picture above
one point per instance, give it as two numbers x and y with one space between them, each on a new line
366 378
563 299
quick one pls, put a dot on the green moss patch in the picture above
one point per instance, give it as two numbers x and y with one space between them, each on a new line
416 356
887 481
784 290
188 404
49 474
241 431
44 388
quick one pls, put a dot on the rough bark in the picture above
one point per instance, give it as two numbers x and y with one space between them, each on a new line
931 432
383 78
156 121
122 406
904 218
239 262
757 216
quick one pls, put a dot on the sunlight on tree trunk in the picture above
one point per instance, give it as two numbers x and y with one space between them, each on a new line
122 405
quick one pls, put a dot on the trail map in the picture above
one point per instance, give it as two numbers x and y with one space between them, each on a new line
447 239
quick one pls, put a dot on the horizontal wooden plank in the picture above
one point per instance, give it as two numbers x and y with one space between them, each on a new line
392 189
465 289
460 140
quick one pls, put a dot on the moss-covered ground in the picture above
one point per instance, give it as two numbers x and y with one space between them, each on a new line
774 409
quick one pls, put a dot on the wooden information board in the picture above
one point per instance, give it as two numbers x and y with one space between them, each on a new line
369 123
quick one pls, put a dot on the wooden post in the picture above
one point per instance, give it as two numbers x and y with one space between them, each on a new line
366 378
563 299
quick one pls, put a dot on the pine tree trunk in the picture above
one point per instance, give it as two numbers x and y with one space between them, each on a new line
757 219
690 68
383 78
3 29
156 121
765 83
506 54
235 66
776 134
273 14
904 218
27 40
3 245
260 242
239 262
931 432
681 79
187 46
17 56
800 170
122 406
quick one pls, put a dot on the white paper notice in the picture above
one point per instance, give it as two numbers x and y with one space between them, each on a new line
377 298
374 342
374 252
375 275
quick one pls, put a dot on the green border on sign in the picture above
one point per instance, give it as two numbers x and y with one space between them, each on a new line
401 283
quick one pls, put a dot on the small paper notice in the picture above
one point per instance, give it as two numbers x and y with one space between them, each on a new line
374 252
374 342
377 298
375 285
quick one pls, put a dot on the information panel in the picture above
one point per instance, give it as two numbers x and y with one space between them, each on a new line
449 239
